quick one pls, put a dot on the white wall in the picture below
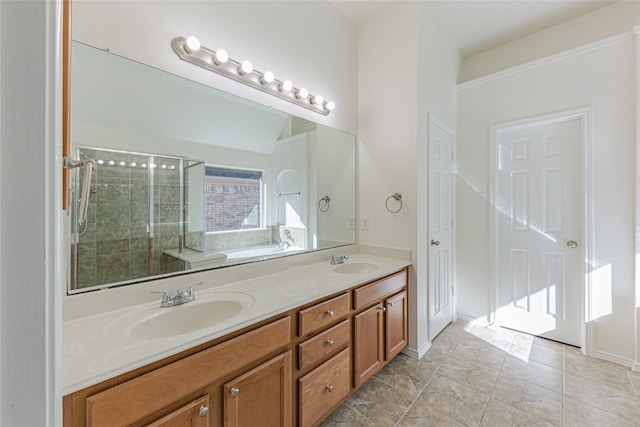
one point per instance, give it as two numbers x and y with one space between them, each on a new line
589 28
406 69
30 187
601 77
274 35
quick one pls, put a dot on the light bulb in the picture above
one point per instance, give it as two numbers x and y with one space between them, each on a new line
221 56
144 165
330 106
122 163
246 67
134 164
111 163
302 93
267 77
286 86
101 162
192 44
318 99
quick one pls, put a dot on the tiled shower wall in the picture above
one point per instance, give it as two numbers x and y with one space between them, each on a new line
115 245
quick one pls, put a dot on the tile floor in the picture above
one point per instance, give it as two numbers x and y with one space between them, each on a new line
495 377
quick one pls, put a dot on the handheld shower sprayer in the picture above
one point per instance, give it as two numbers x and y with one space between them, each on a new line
88 165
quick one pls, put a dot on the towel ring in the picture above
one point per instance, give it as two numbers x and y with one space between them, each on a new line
398 198
326 200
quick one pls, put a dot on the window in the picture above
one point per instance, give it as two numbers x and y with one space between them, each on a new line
232 199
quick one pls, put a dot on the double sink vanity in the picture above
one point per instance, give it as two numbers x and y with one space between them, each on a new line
276 343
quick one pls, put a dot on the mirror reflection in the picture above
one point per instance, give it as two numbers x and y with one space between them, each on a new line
190 178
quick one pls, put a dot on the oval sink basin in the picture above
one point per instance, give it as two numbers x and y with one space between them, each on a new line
355 268
185 318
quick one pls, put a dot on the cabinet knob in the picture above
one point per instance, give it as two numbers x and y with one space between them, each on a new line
330 313
235 392
330 343
382 309
390 303
329 388
203 411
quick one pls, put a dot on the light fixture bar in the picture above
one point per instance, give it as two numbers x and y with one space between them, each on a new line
191 51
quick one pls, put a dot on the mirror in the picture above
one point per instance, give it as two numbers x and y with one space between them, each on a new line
189 178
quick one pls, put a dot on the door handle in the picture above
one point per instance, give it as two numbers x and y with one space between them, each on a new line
435 242
572 244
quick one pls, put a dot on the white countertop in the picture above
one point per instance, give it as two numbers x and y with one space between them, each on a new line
97 342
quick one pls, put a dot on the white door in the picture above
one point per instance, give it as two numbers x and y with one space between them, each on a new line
440 227
539 211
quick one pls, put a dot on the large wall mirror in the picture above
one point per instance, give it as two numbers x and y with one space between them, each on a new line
190 178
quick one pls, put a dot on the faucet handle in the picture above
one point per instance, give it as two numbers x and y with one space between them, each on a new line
166 297
344 255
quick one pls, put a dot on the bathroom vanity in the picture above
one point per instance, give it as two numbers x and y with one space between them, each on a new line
327 329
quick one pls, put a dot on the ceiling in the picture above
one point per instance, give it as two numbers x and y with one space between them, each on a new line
477 25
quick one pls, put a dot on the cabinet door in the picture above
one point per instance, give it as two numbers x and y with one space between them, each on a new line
396 325
261 397
368 343
195 414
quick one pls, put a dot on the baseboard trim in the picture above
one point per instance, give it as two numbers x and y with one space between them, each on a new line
629 363
417 354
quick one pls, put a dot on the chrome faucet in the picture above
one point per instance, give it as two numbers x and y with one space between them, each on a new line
181 297
339 259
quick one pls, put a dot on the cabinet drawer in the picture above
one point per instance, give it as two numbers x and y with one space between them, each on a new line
150 393
324 387
315 349
375 291
314 318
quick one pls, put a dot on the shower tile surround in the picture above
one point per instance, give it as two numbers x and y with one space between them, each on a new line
115 245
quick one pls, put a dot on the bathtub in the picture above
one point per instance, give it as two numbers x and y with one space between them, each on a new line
257 251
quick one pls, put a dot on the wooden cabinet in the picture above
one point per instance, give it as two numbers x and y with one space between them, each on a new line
262 396
324 388
194 414
380 327
396 325
368 343
292 370
154 394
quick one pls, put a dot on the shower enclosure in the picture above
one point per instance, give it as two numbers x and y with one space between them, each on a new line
140 206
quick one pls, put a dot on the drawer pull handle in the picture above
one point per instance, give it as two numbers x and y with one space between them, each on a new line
330 343
329 388
235 392
203 411
330 313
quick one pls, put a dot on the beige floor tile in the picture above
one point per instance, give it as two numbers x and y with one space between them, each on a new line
578 414
444 400
408 374
634 377
533 372
500 414
597 370
495 335
469 373
602 396
530 398
477 349
437 353
380 403
434 420
346 417
532 351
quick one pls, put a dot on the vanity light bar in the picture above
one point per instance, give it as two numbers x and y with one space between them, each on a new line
189 50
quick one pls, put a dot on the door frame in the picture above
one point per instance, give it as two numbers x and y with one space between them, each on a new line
433 120
584 115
